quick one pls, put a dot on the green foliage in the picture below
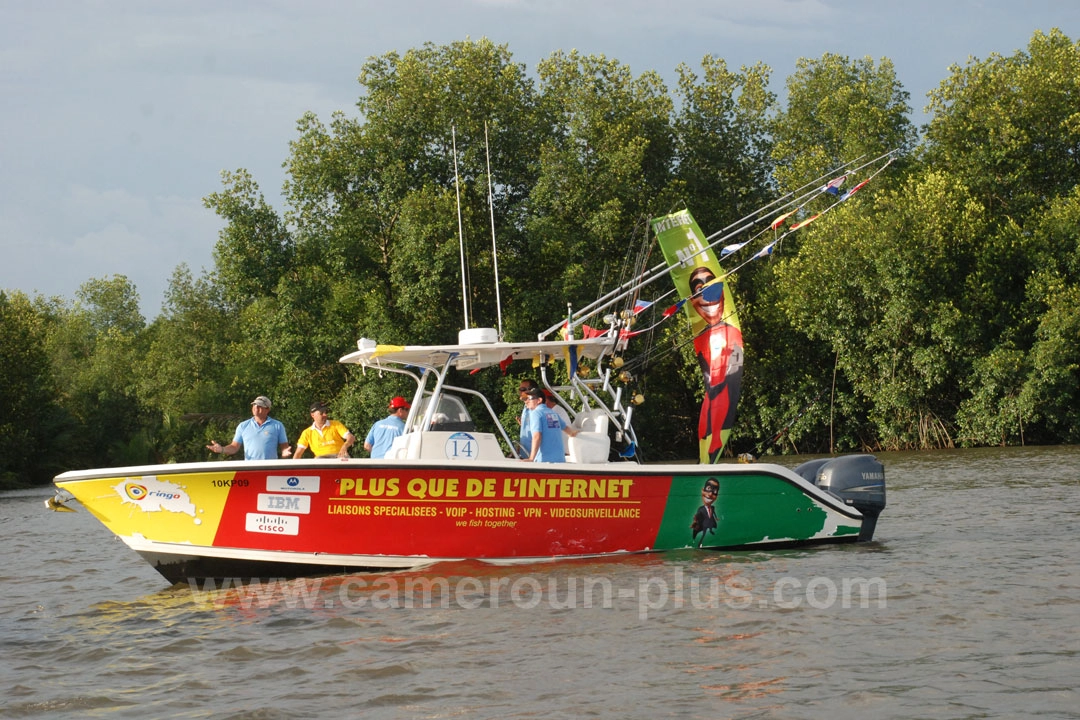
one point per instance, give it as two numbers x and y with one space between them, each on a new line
838 110
723 144
1008 127
1028 388
255 248
875 287
32 424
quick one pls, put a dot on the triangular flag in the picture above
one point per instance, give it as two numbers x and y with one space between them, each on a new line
728 249
805 222
833 186
853 190
674 308
780 220
713 292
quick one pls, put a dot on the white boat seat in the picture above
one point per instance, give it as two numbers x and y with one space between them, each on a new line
592 443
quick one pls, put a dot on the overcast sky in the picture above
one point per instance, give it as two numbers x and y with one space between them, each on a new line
119 115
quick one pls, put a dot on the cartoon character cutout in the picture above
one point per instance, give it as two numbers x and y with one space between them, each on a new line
704 522
718 347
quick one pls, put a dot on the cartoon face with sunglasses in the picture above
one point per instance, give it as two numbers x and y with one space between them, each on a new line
705 521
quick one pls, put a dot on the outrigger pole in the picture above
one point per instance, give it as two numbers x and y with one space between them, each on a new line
795 197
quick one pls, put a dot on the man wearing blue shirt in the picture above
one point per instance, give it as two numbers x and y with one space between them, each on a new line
382 434
524 433
545 429
262 437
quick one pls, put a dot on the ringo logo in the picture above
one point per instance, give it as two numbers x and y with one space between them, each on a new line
135 491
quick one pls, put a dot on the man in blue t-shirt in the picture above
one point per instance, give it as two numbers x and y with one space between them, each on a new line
524 434
382 434
545 430
262 437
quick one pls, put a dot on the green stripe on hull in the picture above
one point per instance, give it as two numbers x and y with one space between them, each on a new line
749 509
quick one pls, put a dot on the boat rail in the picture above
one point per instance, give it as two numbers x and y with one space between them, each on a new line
589 398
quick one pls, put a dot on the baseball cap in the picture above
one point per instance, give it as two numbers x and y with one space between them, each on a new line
399 402
262 401
318 406
534 393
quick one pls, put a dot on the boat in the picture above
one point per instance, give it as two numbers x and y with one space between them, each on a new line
453 487
449 490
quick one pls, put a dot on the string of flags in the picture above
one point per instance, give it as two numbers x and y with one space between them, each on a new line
714 290
832 187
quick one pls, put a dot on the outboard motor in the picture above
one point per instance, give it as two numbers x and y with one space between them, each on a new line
858 480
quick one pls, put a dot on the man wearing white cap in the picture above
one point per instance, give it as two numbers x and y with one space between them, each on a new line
262 437
382 434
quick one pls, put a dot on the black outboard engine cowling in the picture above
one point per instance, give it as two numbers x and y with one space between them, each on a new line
858 480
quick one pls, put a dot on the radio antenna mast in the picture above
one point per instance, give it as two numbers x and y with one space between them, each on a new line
461 231
494 249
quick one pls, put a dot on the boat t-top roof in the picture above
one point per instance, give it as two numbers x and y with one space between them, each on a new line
477 355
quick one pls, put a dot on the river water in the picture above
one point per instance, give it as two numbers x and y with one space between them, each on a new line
967 605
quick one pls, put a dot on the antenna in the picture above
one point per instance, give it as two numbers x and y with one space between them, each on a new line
461 231
494 249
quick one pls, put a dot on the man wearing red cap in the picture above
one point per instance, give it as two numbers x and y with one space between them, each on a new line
382 434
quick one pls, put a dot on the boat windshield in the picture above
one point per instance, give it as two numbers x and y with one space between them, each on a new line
450 414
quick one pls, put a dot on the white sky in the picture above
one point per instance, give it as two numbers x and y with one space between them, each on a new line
117 116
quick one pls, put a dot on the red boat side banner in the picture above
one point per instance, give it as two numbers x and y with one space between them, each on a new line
541 511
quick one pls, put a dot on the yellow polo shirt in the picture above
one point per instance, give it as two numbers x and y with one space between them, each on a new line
324 441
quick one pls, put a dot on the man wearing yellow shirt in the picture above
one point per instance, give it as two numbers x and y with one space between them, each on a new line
326 437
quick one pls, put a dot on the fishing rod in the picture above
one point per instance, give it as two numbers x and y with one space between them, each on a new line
611 297
494 248
763 252
801 194
767 249
649 355
461 231
617 294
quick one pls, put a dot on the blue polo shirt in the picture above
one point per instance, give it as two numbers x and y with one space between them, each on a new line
547 422
260 441
382 434
524 433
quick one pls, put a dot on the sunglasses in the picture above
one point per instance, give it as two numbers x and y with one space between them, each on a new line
712 490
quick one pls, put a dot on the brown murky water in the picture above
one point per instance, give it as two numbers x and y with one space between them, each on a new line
967 605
